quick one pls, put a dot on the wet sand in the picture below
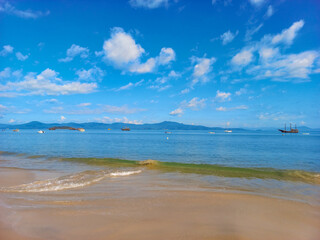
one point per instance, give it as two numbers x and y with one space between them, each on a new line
149 206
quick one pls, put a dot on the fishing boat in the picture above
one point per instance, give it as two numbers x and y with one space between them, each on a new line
16 130
228 131
292 130
81 129
125 129
109 129
40 131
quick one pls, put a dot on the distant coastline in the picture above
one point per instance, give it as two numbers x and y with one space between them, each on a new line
166 125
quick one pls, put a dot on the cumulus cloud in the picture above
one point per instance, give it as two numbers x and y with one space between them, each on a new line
6 7
46 83
150 4
21 57
92 74
228 37
222 96
274 65
122 51
202 67
177 112
194 104
7 49
166 56
73 51
121 48
242 58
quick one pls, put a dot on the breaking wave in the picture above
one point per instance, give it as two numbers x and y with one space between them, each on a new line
71 181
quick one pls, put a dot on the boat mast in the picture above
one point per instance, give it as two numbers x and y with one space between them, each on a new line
290 127
285 127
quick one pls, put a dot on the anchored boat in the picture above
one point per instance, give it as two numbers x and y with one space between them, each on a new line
292 130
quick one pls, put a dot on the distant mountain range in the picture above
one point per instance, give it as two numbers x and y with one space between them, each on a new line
166 125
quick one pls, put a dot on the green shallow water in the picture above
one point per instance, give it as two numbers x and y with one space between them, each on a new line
207 169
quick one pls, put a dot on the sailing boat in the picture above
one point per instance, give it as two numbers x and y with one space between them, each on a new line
292 130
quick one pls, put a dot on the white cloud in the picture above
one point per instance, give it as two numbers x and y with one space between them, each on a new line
12 120
257 3
224 109
242 58
21 57
92 74
151 4
267 53
196 103
73 51
228 37
287 35
146 67
122 51
46 83
121 48
223 96
62 118
6 50
269 12
9 9
201 69
130 85
274 65
241 91
294 67
177 112
166 56
84 105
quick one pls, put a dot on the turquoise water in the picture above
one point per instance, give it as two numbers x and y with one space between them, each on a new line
246 149
264 163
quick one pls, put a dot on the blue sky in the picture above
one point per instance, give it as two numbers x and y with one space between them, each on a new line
246 63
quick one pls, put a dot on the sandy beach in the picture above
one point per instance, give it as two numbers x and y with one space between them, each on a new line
145 206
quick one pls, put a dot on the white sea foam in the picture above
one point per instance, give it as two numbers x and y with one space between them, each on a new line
76 180
127 173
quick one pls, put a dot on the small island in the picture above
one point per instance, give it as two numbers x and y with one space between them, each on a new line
66 127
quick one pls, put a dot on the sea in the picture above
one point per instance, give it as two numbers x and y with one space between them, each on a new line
253 162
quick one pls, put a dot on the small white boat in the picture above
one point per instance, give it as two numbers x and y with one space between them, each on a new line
228 131
212 132
305 133
40 131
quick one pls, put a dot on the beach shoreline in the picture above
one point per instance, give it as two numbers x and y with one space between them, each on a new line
144 207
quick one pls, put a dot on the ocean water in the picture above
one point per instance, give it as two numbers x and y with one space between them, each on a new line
266 163
246 149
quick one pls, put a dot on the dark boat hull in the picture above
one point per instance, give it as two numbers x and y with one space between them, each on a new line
291 131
